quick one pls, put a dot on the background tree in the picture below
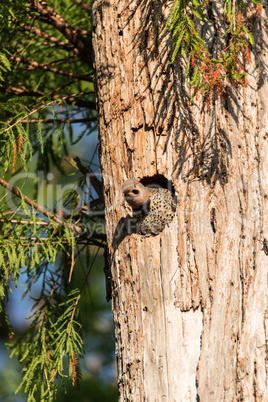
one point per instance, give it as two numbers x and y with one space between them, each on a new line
50 239
190 304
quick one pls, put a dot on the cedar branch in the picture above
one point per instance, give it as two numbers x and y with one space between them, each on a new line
39 208
32 242
46 67
84 6
24 222
68 99
21 91
71 121
52 39
74 36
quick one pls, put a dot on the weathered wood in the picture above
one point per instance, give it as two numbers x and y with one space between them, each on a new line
190 305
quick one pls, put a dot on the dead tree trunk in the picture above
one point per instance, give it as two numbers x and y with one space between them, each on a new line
191 304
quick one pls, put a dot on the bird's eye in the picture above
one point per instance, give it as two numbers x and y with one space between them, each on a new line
135 191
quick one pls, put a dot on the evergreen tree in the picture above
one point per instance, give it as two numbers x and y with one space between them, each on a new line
46 91
47 87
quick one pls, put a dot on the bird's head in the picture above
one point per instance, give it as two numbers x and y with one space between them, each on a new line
135 193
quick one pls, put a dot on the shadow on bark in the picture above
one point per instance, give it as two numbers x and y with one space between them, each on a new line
124 228
200 156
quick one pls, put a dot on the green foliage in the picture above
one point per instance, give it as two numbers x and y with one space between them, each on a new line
53 335
46 90
35 244
54 332
45 78
209 68
4 65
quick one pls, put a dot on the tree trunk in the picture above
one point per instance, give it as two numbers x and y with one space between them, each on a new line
190 305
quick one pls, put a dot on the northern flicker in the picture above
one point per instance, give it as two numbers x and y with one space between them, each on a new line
153 208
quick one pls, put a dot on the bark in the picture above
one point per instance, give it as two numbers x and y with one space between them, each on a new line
190 305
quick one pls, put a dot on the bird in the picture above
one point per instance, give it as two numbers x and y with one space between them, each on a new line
153 208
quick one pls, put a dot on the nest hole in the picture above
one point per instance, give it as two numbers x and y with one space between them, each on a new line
159 181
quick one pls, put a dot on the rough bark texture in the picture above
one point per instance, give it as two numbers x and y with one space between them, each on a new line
191 304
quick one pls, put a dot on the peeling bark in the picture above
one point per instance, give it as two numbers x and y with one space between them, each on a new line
190 305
